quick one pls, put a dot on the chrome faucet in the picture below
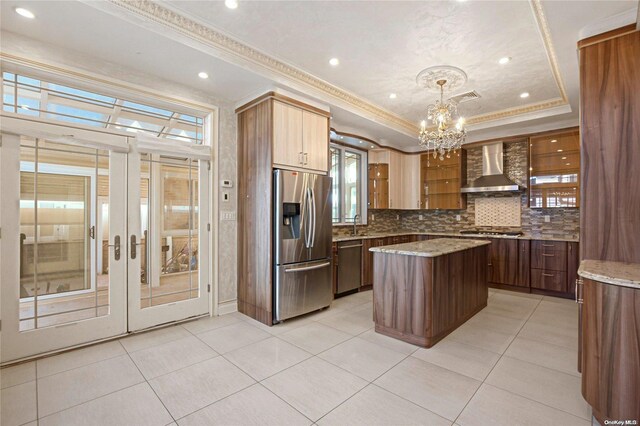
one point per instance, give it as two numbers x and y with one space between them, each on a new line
355 221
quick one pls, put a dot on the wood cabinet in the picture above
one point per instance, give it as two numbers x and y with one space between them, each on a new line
610 355
554 267
378 186
554 170
411 183
421 300
524 264
573 263
503 262
549 266
315 141
403 178
273 131
367 258
441 181
300 138
609 126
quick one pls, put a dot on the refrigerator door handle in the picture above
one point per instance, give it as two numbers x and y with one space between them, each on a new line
315 223
308 225
308 268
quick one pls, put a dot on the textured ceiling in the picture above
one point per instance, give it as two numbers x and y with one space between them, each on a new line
383 45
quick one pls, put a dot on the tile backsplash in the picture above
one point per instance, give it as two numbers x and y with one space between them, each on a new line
563 222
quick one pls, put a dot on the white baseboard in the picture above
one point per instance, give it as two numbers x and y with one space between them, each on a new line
227 307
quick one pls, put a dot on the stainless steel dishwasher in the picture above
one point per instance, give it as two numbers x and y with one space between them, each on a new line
349 266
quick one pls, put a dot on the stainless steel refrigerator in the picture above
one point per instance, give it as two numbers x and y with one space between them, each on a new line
302 243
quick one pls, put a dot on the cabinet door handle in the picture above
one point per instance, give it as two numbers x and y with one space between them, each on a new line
300 158
306 158
579 289
548 245
547 275
548 255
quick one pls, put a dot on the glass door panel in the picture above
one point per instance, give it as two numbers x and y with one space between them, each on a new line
59 279
63 268
168 242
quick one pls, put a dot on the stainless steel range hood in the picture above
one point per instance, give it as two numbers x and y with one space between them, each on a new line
493 178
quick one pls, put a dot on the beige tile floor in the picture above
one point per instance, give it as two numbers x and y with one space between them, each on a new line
512 364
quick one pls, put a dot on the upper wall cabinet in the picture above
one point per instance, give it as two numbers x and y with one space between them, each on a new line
554 168
300 138
442 180
403 180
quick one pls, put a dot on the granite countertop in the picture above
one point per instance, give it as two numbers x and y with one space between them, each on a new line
616 273
430 248
450 234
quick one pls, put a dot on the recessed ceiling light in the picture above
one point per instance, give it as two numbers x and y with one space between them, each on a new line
554 140
361 141
524 95
393 96
334 62
372 146
504 60
530 168
231 4
24 12
203 75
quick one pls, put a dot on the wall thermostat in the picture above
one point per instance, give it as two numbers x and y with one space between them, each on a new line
226 183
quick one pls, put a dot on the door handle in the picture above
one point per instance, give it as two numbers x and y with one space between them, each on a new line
313 209
306 158
133 246
116 246
308 268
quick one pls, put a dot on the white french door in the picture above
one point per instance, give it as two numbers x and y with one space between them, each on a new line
101 234
55 293
168 240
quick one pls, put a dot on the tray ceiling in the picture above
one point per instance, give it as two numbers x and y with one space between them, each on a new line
381 46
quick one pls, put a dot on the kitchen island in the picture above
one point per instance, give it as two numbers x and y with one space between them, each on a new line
424 290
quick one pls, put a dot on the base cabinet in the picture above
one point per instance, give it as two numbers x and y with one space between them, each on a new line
610 350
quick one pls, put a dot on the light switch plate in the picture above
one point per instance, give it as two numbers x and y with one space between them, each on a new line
227 215
420 217
547 218
458 218
226 183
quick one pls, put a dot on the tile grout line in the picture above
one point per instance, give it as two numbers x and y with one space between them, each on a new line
152 389
91 400
498 361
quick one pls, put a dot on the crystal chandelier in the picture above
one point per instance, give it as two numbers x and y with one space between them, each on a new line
447 136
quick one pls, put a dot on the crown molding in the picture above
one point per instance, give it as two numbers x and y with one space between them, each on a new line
545 33
202 33
240 53
619 20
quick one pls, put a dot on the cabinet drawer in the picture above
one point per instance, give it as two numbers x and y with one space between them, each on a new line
545 279
549 259
548 246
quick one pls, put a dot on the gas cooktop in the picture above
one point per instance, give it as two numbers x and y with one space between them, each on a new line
485 232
